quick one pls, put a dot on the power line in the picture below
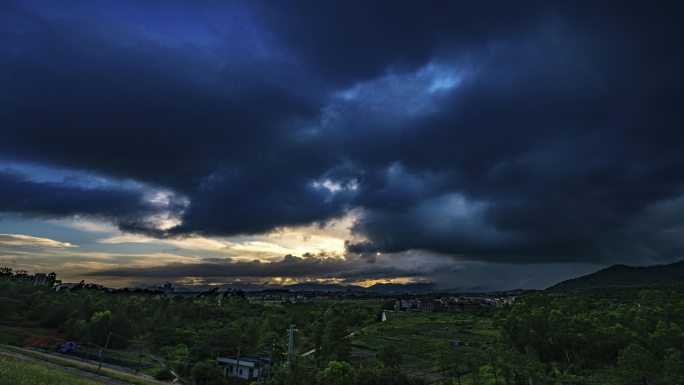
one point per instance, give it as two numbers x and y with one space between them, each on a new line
321 317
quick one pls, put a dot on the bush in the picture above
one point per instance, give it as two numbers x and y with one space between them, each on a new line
164 375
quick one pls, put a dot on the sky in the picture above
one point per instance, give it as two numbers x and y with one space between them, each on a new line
472 144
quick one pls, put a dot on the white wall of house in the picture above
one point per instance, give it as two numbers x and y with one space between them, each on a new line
246 372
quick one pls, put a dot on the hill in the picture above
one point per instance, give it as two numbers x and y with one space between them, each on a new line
625 276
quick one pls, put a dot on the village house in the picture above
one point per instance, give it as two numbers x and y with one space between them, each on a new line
23 275
42 279
168 288
65 286
246 368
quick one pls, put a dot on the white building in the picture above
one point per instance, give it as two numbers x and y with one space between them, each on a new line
246 368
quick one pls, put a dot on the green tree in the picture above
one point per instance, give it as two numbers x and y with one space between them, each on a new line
337 373
673 367
636 363
448 362
207 372
390 356
177 356
296 374
334 344
99 326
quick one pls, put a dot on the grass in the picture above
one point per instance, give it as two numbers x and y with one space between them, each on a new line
423 334
130 354
16 335
86 368
17 372
10 337
419 336
13 335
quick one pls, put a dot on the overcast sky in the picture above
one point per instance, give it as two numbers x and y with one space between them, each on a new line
489 144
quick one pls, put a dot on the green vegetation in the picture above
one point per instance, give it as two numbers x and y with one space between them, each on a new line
337 373
421 334
597 336
10 336
82 367
415 341
185 332
610 336
18 372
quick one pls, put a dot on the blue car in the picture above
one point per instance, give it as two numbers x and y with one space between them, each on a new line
67 347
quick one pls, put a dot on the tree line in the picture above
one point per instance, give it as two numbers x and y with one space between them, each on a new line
598 336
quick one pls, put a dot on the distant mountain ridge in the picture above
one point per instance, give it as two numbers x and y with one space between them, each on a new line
625 276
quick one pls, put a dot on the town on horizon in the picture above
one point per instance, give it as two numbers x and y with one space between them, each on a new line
50 281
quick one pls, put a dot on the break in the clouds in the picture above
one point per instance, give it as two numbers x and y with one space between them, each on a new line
527 132
20 240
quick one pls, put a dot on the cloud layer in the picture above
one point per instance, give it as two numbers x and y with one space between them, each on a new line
509 133
290 269
20 240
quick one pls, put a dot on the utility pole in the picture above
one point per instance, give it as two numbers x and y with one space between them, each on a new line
137 368
290 344
270 357
237 367
102 353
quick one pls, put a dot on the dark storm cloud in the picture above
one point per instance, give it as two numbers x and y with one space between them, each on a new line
507 132
128 208
133 108
354 40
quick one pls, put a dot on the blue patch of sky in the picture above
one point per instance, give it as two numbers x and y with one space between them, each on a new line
11 224
174 24
77 178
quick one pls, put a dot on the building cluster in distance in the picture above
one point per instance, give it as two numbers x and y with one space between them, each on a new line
287 295
47 280
38 279
423 302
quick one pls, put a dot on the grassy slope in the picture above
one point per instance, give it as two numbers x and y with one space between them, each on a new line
15 336
17 372
83 367
10 337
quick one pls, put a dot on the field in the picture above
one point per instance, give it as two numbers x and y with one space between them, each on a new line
17 372
420 336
